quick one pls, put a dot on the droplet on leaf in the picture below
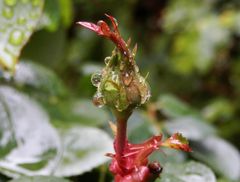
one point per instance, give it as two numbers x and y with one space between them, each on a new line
16 37
24 1
7 12
10 2
34 15
21 20
36 2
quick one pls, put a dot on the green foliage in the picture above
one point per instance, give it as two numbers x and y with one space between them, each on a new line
85 148
48 124
30 145
39 179
187 172
18 21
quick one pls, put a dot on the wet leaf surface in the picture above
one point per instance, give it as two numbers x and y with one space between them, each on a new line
28 143
84 149
219 154
187 172
172 107
191 127
38 77
18 21
40 179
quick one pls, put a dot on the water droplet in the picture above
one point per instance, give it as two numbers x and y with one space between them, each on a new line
21 20
34 15
10 2
24 1
16 37
30 27
98 100
127 79
36 2
7 12
141 79
115 77
136 68
107 60
96 79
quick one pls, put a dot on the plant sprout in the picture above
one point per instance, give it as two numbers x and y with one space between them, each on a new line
121 87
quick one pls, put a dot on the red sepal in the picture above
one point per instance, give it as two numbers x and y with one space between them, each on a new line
177 141
133 165
102 29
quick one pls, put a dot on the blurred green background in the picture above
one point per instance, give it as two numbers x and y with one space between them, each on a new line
190 52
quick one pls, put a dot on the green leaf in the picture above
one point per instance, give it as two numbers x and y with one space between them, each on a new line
18 21
38 77
173 107
56 12
84 149
66 7
223 157
40 179
219 109
28 143
169 178
51 15
88 113
203 34
187 172
77 111
191 127
50 48
166 155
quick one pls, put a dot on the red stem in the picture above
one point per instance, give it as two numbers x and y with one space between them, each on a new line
121 137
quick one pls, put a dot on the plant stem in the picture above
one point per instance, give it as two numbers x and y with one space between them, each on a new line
121 137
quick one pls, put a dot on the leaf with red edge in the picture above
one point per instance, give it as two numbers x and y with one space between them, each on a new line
91 26
177 141
134 163
114 22
105 28
102 29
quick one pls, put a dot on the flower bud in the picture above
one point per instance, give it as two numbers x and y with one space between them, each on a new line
119 85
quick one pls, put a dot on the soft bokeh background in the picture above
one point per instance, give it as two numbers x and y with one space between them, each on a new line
190 53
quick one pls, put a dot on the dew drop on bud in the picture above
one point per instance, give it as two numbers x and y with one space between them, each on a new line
96 79
127 79
136 68
98 100
107 60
